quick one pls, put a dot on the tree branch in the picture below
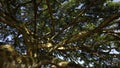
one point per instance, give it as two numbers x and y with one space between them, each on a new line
84 34
35 19
51 15
22 4
74 22
6 19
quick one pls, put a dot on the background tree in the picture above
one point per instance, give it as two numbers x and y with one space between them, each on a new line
63 33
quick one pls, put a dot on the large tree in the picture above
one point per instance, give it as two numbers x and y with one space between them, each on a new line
60 33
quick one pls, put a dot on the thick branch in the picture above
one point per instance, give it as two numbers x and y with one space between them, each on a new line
35 21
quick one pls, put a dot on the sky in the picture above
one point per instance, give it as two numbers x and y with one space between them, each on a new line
116 0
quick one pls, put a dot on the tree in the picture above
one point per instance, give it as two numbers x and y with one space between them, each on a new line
60 33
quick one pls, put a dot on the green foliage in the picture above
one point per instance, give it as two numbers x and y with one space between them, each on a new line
78 30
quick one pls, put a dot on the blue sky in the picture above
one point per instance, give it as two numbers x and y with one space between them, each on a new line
116 0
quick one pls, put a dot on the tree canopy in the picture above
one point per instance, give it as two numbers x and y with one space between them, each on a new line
61 33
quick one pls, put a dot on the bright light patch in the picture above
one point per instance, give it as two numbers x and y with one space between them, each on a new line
116 0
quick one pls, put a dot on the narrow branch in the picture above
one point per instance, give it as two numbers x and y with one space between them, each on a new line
115 35
74 22
107 21
51 15
111 29
22 4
